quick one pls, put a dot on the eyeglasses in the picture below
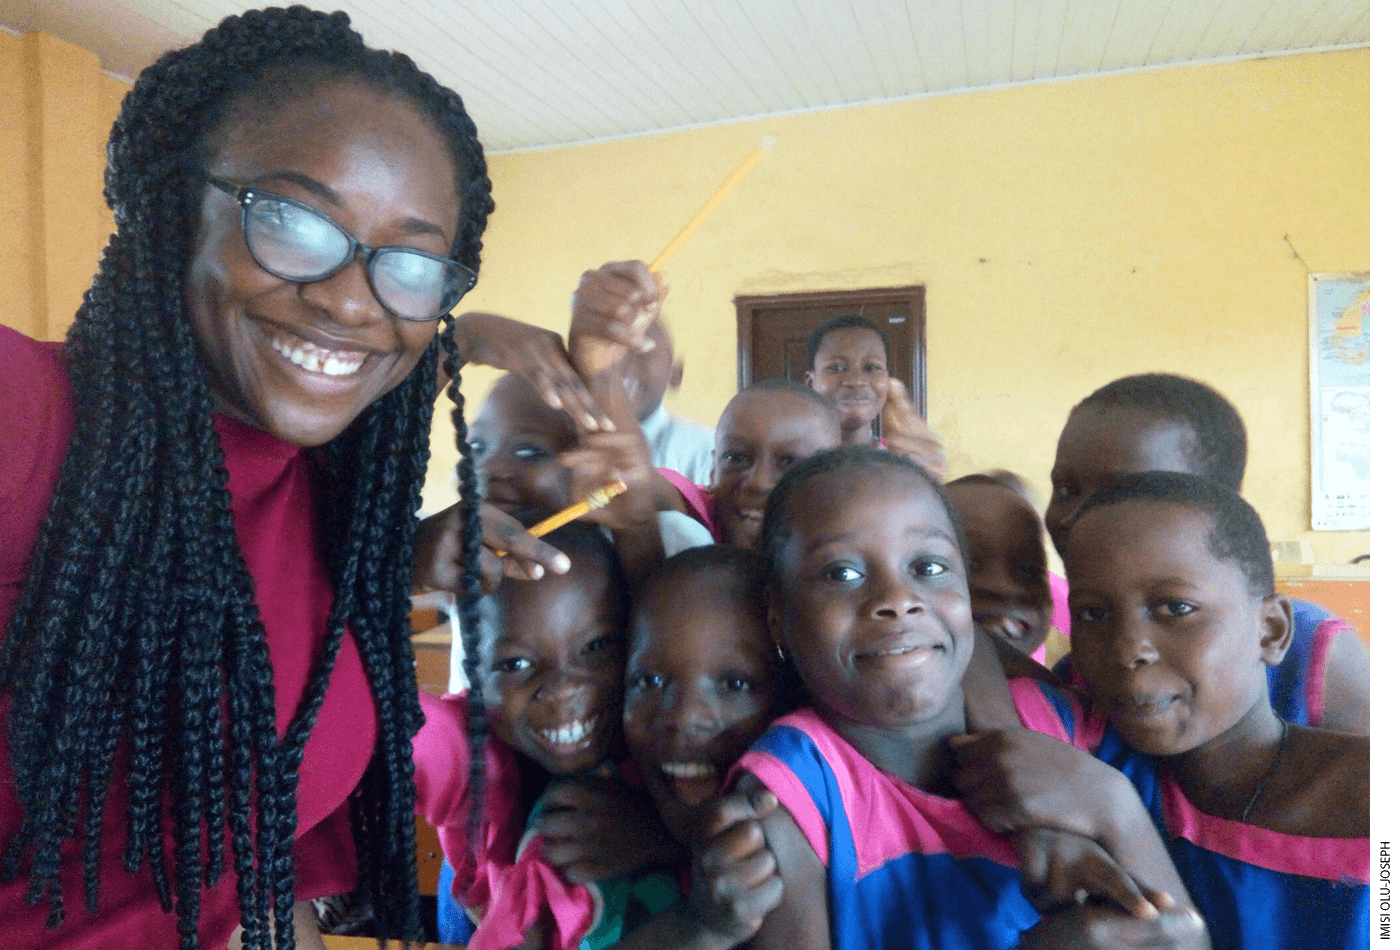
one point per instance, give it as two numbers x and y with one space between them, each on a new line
295 242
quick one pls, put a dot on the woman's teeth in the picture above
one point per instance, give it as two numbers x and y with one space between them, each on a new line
689 770
571 734
317 360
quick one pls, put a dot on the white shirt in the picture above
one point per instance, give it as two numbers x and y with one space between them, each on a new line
680 445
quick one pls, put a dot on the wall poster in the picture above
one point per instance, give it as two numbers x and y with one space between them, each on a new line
1339 348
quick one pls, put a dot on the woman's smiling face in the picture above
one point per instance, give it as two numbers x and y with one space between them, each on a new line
370 162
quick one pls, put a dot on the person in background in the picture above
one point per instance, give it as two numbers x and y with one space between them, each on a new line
678 444
848 359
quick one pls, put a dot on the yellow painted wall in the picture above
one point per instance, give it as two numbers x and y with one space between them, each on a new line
1068 233
56 108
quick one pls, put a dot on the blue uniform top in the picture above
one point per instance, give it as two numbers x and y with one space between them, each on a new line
906 870
1257 889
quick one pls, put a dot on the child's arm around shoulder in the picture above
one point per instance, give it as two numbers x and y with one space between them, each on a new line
801 920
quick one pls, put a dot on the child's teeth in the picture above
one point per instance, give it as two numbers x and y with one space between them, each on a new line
687 769
570 734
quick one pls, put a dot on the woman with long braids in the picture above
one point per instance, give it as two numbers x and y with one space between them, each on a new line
207 498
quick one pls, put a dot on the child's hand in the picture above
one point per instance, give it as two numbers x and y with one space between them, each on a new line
597 828
1090 925
736 875
605 457
437 555
1059 868
1014 779
905 433
537 356
614 307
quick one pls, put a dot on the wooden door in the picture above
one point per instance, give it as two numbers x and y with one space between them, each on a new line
773 332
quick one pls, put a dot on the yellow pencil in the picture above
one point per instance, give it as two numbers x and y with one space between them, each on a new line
764 145
591 502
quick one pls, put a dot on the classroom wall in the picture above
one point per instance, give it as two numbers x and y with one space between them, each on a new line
1068 233
56 108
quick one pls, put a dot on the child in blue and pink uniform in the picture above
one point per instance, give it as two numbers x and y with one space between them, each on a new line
1158 421
1176 621
868 599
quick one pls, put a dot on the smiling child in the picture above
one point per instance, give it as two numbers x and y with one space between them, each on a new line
868 598
1175 623
1007 571
550 678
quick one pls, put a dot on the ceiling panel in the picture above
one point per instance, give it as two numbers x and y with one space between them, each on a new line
545 73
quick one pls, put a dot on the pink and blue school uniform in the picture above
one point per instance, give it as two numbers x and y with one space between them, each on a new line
1257 889
1296 685
905 868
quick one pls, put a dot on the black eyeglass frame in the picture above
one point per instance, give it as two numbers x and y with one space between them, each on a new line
247 196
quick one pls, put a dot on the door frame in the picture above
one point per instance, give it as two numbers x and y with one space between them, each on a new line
913 296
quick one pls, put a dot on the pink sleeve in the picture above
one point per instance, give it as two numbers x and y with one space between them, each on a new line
442 759
1059 599
701 506
791 794
1316 685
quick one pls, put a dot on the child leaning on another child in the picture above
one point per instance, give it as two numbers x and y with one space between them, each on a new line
1175 624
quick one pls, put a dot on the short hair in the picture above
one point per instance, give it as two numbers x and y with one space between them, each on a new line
743 568
777 516
846 321
1220 442
1236 535
778 384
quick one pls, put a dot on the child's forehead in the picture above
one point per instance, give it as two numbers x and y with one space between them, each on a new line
1127 437
848 338
838 500
1151 530
749 410
988 501
513 405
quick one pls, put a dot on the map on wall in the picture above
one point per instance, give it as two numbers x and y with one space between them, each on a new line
1339 336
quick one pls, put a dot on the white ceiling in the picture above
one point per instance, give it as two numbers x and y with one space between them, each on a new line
545 73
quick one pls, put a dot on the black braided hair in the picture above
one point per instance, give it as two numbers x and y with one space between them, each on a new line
137 625
1220 444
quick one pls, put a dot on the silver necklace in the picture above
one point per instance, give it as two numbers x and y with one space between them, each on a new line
1273 767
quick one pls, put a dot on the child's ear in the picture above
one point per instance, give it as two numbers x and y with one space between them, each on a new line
677 373
1275 628
810 380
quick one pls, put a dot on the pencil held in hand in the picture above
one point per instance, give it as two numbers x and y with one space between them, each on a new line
591 502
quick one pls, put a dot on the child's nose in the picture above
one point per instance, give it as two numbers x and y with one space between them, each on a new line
692 711
1133 646
892 596
558 685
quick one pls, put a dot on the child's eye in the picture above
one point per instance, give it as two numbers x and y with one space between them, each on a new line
734 459
836 367
842 573
874 368
785 462
1062 492
927 567
640 681
736 684
1176 608
1090 614
529 453
477 447
511 664
602 643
